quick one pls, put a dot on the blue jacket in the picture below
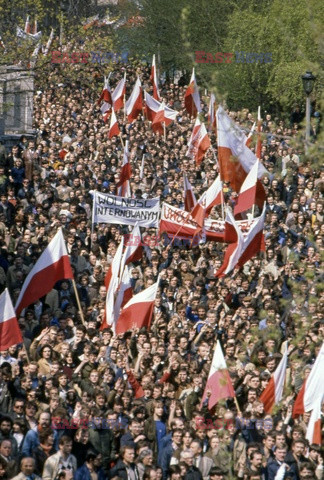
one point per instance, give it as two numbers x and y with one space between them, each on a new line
83 473
31 441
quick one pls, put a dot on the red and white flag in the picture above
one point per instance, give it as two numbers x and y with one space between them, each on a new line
219 382
209 199
234 157
254 240
53 265
134 104
138 311
259 141
312 388
193 141
273 392
163 118
314 427
199 142
247 196
118 94
27 28
123 186
212 113
105 95
10 333
250 135
151 106
153 78
113 128
192 98
111 284
189 196
124 294
133 250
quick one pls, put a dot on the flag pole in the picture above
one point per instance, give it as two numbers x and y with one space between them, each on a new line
78 301
27 356
237 406
121 139
222 204
125 99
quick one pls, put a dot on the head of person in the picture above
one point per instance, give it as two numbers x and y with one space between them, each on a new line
127 454
27 466
280 453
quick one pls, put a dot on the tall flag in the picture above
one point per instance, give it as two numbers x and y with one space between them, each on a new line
118 94
111 284
313 387
314 427
133 248
212 113
193 141
234 249
189 196
27 28
10 333
163 117
49 42
105 95
253 240
192 98
209 199
138 311
124 294
234 157
134 104
219 382
250 135
199 142
151 106
259 142
272 394
114 128
123 187
247 196
153 78
53 265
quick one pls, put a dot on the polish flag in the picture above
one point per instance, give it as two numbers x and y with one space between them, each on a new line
211 113
211 197
10 333
247 196
125 293
133 250
189 196
138 311
153 78
249 137
259 141
199 142
314 427
312 388
193 142
192 98
234 157
134 104
272 394
118 94
53 265
27 25
106 110
219 381
244 247
151 106
114 128
165 115
111 284
125 175
105 95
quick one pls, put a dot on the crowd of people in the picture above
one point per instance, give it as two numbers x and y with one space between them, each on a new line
80 402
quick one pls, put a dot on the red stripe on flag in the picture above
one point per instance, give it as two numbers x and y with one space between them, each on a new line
10 334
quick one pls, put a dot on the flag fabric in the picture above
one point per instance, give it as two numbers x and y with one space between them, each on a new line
138 311
189 196
247 195
210 198
212 113
234 157
105 95
259 142
118 94
35 26
193 141
153 78
272 394
49 42
111 284
27 26
219 381
199 142
151 106
53 265
253 241
133 247
134 104
114 128
314 427
124 294
28 36
10 333
164 116
192 98
123 186
249 137
312 388
281 472
234 249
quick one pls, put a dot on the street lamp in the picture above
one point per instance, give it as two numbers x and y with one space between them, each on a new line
308 84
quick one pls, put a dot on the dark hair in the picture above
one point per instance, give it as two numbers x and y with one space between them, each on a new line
91 454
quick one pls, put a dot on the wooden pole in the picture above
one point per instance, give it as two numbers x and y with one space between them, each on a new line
78 301
24 347
122 141
237 406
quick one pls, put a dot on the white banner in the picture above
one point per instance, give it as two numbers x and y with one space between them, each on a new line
125 211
